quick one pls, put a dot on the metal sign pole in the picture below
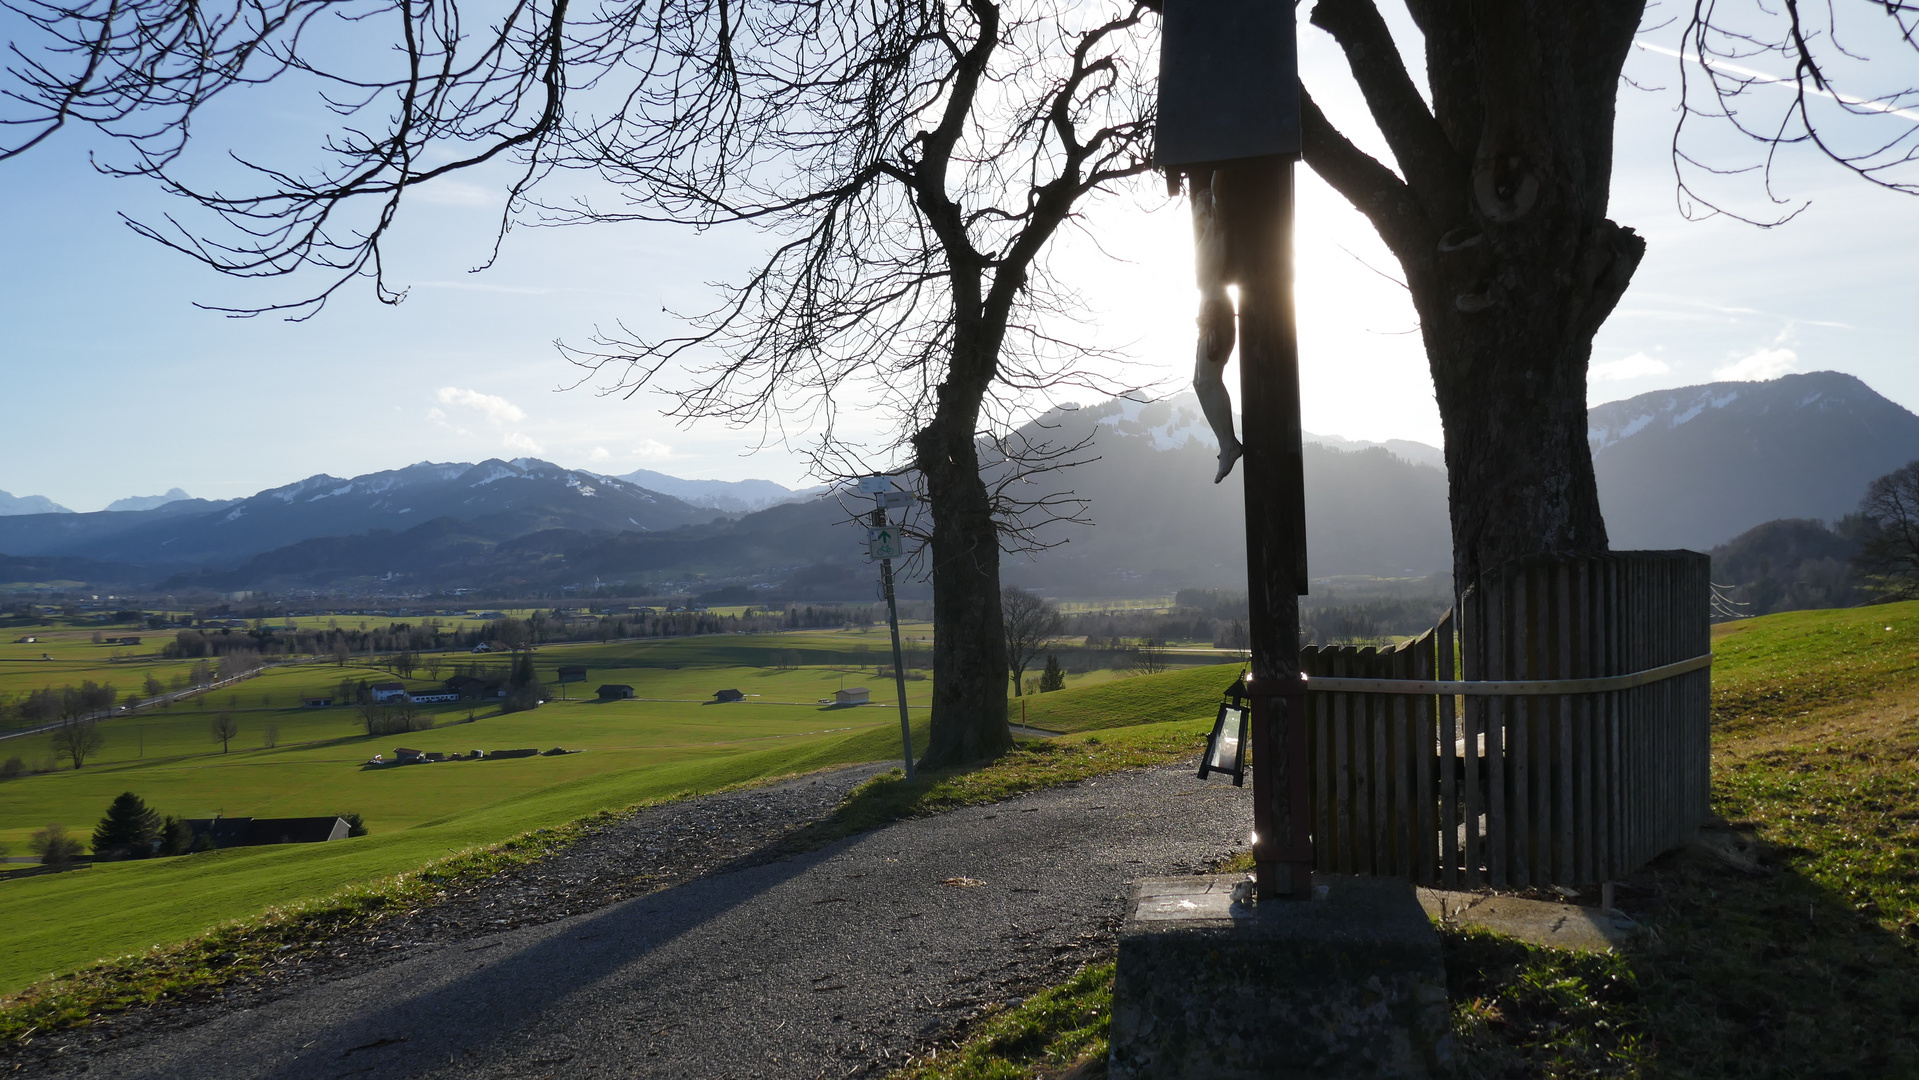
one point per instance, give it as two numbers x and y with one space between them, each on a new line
882 497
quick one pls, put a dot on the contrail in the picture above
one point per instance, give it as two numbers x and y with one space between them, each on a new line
1762 77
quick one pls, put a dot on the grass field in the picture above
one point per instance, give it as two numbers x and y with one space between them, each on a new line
1173 695
170 759
669 740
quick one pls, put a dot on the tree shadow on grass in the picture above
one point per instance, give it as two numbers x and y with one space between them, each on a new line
1747 968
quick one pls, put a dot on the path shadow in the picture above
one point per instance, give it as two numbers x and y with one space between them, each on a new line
489 1010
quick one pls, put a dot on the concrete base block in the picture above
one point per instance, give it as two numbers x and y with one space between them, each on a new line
1348 984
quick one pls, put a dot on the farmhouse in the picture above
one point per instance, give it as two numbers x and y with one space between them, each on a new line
469 687
728 695
316 702
226 832
852 695
387 691
615 691
428 697
572 673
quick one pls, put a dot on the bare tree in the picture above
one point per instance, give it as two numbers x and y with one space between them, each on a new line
55 845
1887 528
1146 658
1031 621
224 728
78 739
915 160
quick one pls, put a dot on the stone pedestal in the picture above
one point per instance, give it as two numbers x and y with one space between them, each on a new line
1347 984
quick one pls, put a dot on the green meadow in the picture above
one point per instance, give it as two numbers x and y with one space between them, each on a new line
56 923
670 740
316 763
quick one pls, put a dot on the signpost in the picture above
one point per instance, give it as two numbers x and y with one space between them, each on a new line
1229 118
883 544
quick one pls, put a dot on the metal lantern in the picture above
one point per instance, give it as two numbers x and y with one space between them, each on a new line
1226 746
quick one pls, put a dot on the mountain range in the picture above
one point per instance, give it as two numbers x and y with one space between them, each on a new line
11 505
1697 466
148 502
1690 467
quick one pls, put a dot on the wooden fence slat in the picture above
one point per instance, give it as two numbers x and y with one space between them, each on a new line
1343 757
1425 823
1477 812
1405 810
1448 749
1565 848
1498 834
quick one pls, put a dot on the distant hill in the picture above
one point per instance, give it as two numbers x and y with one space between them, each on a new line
1696 466
1162 524
148 502
1788 565
12 505
35 571
732 496
496 499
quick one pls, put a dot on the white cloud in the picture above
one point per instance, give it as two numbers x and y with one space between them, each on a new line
599 454
516 441
1636 366
497 409
653 450
1760 364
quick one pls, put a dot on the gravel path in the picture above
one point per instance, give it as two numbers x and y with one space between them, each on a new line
838 962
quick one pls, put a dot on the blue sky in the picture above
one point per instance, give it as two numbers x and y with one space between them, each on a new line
116 385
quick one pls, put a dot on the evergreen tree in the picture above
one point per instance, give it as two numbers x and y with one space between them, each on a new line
129 827
176 837
523 671
1054 677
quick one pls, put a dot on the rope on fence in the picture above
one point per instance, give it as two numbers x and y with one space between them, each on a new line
1508 687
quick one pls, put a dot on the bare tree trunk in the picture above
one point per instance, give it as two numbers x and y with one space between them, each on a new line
1511 388
969 650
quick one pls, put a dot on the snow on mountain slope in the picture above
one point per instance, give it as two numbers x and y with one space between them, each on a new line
1695 466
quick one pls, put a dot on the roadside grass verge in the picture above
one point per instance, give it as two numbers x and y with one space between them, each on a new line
1060 1029
1032 764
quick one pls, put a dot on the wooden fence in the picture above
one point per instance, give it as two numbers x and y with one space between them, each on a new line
1573 750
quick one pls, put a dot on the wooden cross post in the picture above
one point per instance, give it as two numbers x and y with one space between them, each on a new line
1257 212
1229 112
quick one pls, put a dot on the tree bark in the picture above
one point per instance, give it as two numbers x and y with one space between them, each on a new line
969 650
1497 215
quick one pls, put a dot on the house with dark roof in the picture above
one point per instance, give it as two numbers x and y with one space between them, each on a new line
572 673
728 695
226 832
615 691
469 688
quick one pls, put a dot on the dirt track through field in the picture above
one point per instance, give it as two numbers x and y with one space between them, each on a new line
834 963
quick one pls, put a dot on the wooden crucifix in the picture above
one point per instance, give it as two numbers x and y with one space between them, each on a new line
1229 129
